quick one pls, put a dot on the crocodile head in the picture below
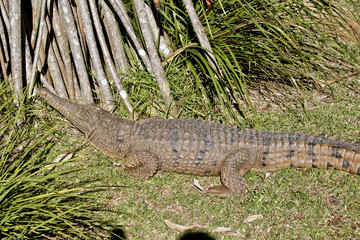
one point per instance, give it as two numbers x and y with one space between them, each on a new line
85 117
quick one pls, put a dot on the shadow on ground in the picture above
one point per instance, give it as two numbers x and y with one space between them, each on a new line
195 236
118 234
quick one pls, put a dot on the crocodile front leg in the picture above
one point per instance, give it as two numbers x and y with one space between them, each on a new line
235 166
141 164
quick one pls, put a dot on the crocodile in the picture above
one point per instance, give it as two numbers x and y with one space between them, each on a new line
199 147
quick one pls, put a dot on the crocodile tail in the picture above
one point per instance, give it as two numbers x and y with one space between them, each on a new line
286 150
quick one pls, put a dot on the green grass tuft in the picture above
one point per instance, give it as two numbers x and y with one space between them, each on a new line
35 200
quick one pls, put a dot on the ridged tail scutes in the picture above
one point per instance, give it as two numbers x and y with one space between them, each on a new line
286 150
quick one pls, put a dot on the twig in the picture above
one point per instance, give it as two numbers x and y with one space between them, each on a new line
76 86
4 29
131 53
95 56
114 37
53 46
158 69
39 12
46 83
107 57
177 52
55 72
80 30
3 65
28 62
125 20
319 84
210 6
63 48
163 46
42 63
200 33
344 76
37 49
3 57
76 51
4 14
15 43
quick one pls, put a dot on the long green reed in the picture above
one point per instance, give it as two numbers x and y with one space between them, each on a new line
35 201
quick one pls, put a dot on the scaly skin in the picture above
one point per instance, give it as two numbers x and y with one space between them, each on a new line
198 147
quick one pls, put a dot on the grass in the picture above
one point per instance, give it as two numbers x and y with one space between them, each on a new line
254 41
293 203
37 202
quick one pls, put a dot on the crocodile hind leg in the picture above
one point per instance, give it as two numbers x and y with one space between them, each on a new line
141 164
235 166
